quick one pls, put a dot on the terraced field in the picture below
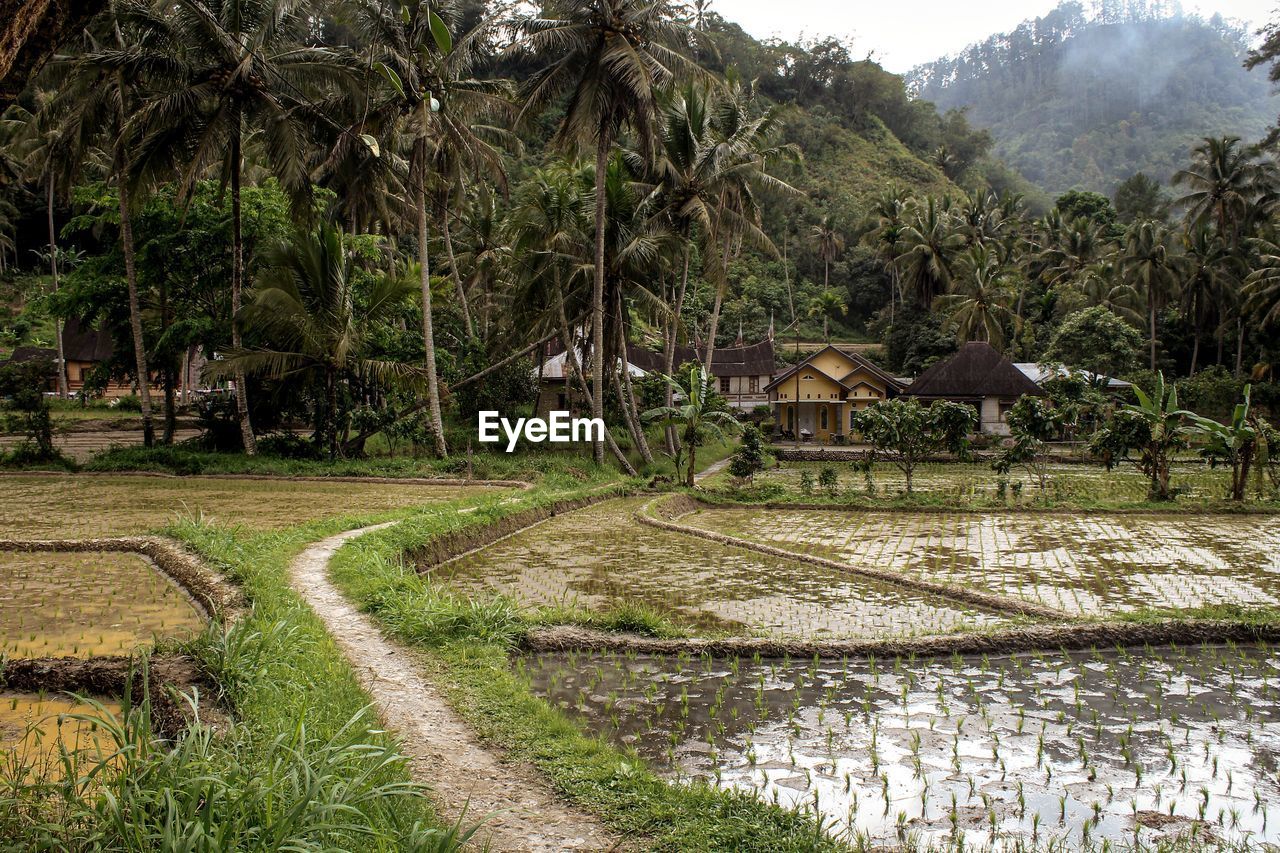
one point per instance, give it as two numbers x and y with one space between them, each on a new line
34 728
600 555
86 604
1056 750
75 506
1087 564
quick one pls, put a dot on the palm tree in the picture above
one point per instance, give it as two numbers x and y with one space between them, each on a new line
1224 179
108 91
225 71
1208 283
1262 287
824 305
930 244
611 57
1153 269
885 239
978 304
312 327
44 147
695 415
829 244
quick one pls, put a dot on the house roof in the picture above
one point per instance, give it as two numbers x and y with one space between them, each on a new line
556 366
976 370
860 362
747 360
33 354
82 342
1043 371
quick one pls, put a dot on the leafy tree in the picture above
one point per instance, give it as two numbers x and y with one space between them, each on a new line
1096 340
1082 204
1033 421
749 458
907 433
697 414
1234 443
1140 197
22 384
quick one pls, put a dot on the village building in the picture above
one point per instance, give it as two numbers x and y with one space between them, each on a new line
86 349
820 396
740 373
977 375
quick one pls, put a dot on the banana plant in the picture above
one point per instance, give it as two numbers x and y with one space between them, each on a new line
697 414
1233 443
1162 433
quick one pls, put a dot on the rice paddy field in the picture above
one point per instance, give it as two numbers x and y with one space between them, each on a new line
600 556
74 506
1051 749
35 728
1082 563
86 604
966 481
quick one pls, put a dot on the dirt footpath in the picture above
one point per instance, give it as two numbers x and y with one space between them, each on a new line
443 751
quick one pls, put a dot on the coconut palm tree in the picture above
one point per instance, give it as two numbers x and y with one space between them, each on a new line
1209 282
829 243
312 326
930 244
1223 181
885 240
1151 266
108 89
611 57
977 305
226 71
824 305
43 146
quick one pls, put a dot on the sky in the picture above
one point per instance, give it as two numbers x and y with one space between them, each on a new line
906 33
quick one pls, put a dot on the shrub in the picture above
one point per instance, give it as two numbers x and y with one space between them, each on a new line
749 458
829 480
806 482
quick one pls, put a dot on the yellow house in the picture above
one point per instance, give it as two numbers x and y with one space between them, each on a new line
820 395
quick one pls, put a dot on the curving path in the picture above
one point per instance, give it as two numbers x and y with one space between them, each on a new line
444 753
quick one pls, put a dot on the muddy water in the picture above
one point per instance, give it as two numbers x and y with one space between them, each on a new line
34 729
1076 748
87 604
1087 563
599 556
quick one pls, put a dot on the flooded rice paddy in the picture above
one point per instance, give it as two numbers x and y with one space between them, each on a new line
34 730
1082 748
977 479
76 506
1085 564
600 556
87 604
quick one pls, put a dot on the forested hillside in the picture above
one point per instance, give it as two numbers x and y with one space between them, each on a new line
1086 97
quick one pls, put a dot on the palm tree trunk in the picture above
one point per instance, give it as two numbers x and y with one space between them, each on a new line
629 408
135 309
1239 346
597 292
723 269
673 440
453 271
1151 321
571 359
237 282
331 413
424 270
53 271
693 456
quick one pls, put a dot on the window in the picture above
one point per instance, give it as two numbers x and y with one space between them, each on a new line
853 419
753 385
724 384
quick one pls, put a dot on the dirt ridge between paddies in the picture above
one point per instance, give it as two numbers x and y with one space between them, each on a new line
288 478
663 513
214 595
1031 638
163 679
